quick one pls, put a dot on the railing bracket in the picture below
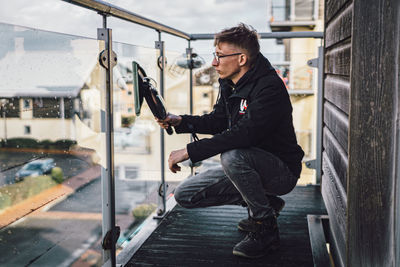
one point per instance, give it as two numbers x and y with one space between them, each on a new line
103 59
311 164
106 243
313 63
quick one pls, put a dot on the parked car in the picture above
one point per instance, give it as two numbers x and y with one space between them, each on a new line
35 168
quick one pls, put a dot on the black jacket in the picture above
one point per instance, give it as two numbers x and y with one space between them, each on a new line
265 122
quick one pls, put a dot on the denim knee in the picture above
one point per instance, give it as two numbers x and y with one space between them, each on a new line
232 159
181 197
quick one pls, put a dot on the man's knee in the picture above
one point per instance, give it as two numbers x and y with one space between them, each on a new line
183 197
232 158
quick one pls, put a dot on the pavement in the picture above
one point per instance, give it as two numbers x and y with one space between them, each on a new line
35 204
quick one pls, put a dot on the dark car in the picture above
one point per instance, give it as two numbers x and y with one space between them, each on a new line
35 168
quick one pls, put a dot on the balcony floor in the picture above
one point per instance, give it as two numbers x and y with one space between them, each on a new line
206 236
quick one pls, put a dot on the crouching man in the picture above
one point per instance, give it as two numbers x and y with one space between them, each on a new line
252 129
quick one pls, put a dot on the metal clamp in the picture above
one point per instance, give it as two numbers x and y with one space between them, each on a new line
313 63
162 60
103 59
161 192
311 164
106 243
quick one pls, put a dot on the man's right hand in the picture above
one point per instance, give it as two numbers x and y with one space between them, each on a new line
170 120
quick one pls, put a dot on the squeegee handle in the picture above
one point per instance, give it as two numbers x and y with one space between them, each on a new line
169 130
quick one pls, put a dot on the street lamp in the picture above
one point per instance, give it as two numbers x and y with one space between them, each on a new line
3 103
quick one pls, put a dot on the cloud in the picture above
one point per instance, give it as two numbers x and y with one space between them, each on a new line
206 16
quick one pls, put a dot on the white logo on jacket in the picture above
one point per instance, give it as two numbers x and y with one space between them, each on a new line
243 106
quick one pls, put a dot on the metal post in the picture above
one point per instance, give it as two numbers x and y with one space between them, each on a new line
189 51
317 163
320 110
110 231
3 103
162 189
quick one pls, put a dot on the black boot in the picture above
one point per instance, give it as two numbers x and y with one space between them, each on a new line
277 204
260 242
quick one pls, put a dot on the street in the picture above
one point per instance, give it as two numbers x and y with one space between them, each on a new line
11 162
61 232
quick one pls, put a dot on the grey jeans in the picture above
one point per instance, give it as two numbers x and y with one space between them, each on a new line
249 174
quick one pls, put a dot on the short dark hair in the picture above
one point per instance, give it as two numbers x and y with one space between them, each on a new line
242 36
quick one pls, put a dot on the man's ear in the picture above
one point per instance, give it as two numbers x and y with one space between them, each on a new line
243 59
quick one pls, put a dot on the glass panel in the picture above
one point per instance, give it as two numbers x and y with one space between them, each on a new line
137 144
51 148
137 139
290 61
177 95
205 94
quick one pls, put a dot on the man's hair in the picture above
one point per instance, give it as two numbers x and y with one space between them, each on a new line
242 36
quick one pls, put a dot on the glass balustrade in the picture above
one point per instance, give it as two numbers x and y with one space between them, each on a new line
52 150
52 147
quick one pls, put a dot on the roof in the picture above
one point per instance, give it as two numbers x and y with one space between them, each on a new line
42 64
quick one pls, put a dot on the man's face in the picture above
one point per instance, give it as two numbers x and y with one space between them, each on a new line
227 67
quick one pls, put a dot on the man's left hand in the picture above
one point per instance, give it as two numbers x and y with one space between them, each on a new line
175 157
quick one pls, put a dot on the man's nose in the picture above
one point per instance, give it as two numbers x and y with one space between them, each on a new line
214 62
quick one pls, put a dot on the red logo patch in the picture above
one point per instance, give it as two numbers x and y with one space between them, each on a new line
243 106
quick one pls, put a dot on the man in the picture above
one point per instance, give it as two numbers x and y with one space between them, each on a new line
252 129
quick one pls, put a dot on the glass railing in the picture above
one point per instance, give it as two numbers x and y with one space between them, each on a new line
301 83
52 148
137 139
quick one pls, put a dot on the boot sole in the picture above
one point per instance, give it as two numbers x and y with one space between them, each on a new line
273 248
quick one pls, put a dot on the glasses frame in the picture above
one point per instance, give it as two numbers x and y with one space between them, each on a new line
218 57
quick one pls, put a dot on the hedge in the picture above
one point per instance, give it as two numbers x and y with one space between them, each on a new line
33 143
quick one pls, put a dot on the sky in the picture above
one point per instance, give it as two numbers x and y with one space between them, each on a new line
205 16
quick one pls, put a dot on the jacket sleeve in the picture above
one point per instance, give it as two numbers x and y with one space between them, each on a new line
212 123
261 118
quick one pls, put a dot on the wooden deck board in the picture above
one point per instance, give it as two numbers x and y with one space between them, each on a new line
206 236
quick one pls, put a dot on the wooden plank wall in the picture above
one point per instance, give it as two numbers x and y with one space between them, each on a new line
338 23
373 226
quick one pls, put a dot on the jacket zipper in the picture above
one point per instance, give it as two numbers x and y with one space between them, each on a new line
228 113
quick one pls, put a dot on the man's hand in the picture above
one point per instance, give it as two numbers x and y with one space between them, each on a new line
175 157
170 120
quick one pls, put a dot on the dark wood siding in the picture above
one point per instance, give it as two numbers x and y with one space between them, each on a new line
361 131
338 31
374 134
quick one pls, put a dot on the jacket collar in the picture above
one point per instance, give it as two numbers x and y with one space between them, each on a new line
262 67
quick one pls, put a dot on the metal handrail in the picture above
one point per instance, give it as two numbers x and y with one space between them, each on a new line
267 35
118 12
115 11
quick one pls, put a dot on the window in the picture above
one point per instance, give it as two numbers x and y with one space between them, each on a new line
124 172
129 110
129 92
27 103
27 129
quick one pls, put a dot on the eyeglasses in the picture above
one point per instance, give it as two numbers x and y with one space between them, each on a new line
218 57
